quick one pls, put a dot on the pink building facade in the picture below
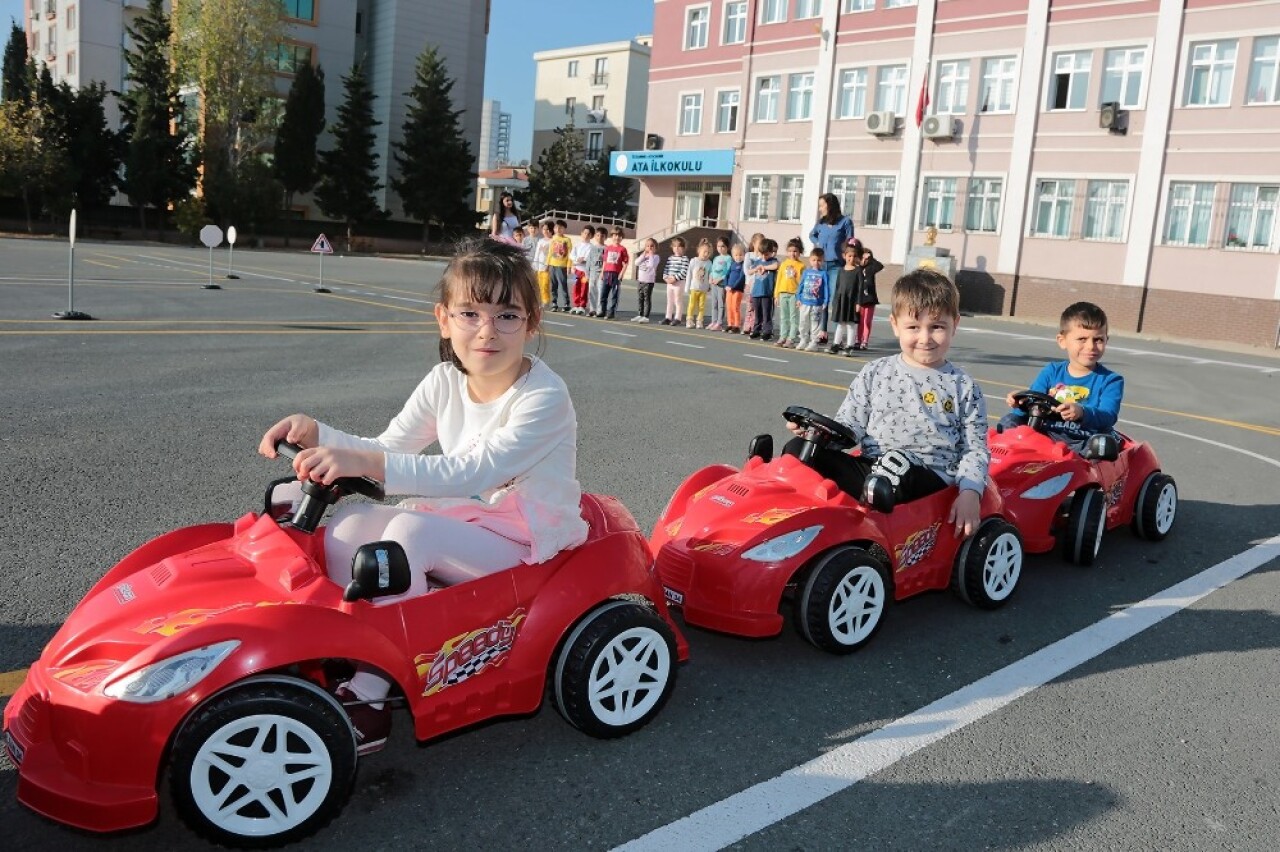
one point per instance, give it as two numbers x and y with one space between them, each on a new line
1124 152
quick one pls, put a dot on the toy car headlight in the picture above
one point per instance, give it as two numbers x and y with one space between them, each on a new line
1051 487
784 546
167 678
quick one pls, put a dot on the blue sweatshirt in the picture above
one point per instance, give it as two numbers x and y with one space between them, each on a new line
1099 393
813 288
736 279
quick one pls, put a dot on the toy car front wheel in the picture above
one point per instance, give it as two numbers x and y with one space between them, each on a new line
616 670
263 765
1086 521
1156 508
843 600
988 565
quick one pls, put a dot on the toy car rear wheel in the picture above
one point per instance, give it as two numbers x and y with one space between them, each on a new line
842 602
1086 521
616 670
988 565
263 765
1156 507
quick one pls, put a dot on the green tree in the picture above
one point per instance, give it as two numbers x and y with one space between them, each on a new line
78 121
436 166
348 172
159 167
31 159
16 85
610 195
303 122
559 180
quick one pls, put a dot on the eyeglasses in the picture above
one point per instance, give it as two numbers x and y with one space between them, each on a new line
504 323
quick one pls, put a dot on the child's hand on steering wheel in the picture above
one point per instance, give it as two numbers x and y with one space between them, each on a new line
326 464
299 429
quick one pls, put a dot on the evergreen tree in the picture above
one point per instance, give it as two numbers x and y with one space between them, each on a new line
91 149
303 122
348 173
158 162
436 166
16 86
612 195
29 158
559 179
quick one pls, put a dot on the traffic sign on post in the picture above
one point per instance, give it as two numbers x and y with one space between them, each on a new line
322 246
211 236
71 313
231 250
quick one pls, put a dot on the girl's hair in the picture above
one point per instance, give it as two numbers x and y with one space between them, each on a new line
652 241
704 243
489 272
796 243
756 239
722 241
833 208
500 210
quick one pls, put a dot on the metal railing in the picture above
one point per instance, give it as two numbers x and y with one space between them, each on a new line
683 225
584 218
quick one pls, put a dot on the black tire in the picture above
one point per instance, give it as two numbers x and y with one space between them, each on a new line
263 716
843 600
1156 507
1086 521
616 670
988 565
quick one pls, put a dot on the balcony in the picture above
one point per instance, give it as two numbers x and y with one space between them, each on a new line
50 9
600 79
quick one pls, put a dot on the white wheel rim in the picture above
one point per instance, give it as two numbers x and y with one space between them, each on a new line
629 676
261 775
1003 565
856 605
1102 527
1166 508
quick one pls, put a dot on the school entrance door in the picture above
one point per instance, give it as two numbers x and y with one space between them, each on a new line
701 204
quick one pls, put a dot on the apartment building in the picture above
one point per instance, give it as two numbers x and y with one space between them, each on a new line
495 136
1125 152
600 88
84 41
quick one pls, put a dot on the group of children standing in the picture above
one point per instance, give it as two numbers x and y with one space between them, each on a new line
594 267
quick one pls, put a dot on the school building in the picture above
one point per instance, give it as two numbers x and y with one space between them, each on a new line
1123 152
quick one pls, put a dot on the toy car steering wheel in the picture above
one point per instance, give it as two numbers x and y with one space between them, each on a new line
1038 406
819 431
316 495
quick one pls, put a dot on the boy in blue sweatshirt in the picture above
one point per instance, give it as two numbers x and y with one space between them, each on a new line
765 271
812 298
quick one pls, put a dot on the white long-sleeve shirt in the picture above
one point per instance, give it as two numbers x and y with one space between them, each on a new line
508 465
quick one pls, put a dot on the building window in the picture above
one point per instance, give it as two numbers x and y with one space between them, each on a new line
69 18
573 68
1264 72
697 20
767 89
291 57
1122 71
1053 208
790 194
880 201
982 207
51 44
1251 219
897 4
570 104
773 11
1186 217
938 206
757 200
808 9
857 6
691 114
727 111
1070 81
891 89
1213 64
595 145
35 42
71 62
998 84
600 76
735 22
800 97
843 187
1104 210
300 10
852 101
597 102
953 88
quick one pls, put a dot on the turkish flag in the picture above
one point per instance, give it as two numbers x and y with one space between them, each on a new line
923 103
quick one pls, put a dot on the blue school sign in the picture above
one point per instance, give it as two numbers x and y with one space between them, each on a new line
643 164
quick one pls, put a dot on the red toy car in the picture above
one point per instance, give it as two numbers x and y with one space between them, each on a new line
732 544
1055 495
210 654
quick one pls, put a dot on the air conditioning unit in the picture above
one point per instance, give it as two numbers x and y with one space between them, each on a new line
938 127
653 142
882 123
1112 117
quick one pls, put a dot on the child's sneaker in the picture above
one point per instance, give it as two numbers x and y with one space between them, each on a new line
372 727
833 350
643 319
698 326
813 347
848 351
766 336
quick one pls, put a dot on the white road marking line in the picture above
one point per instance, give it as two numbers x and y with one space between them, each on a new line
1145 353
1242 451
618 333
847 372
690 345
765 358
769 802
561 324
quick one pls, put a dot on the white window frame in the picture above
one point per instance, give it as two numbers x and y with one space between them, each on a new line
790 197
597 102
775 92
697 33
756 197
952 91
1256 206
1125 68
572 70
1062 206
938 193
722 104
845 188
999 75
898 4
849 6
596 136
1216 69
984 201
848 104
1263 85
570 106
891 82
1187 208
735 15
70 59
1076 66
881 188
800 96
1106 210
806 9
773 11
689 118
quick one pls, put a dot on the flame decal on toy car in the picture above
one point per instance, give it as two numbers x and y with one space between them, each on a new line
702 492
917 546
1031 468
84 677
173 623
674 527
1115 494
774 516
467 654
715 548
